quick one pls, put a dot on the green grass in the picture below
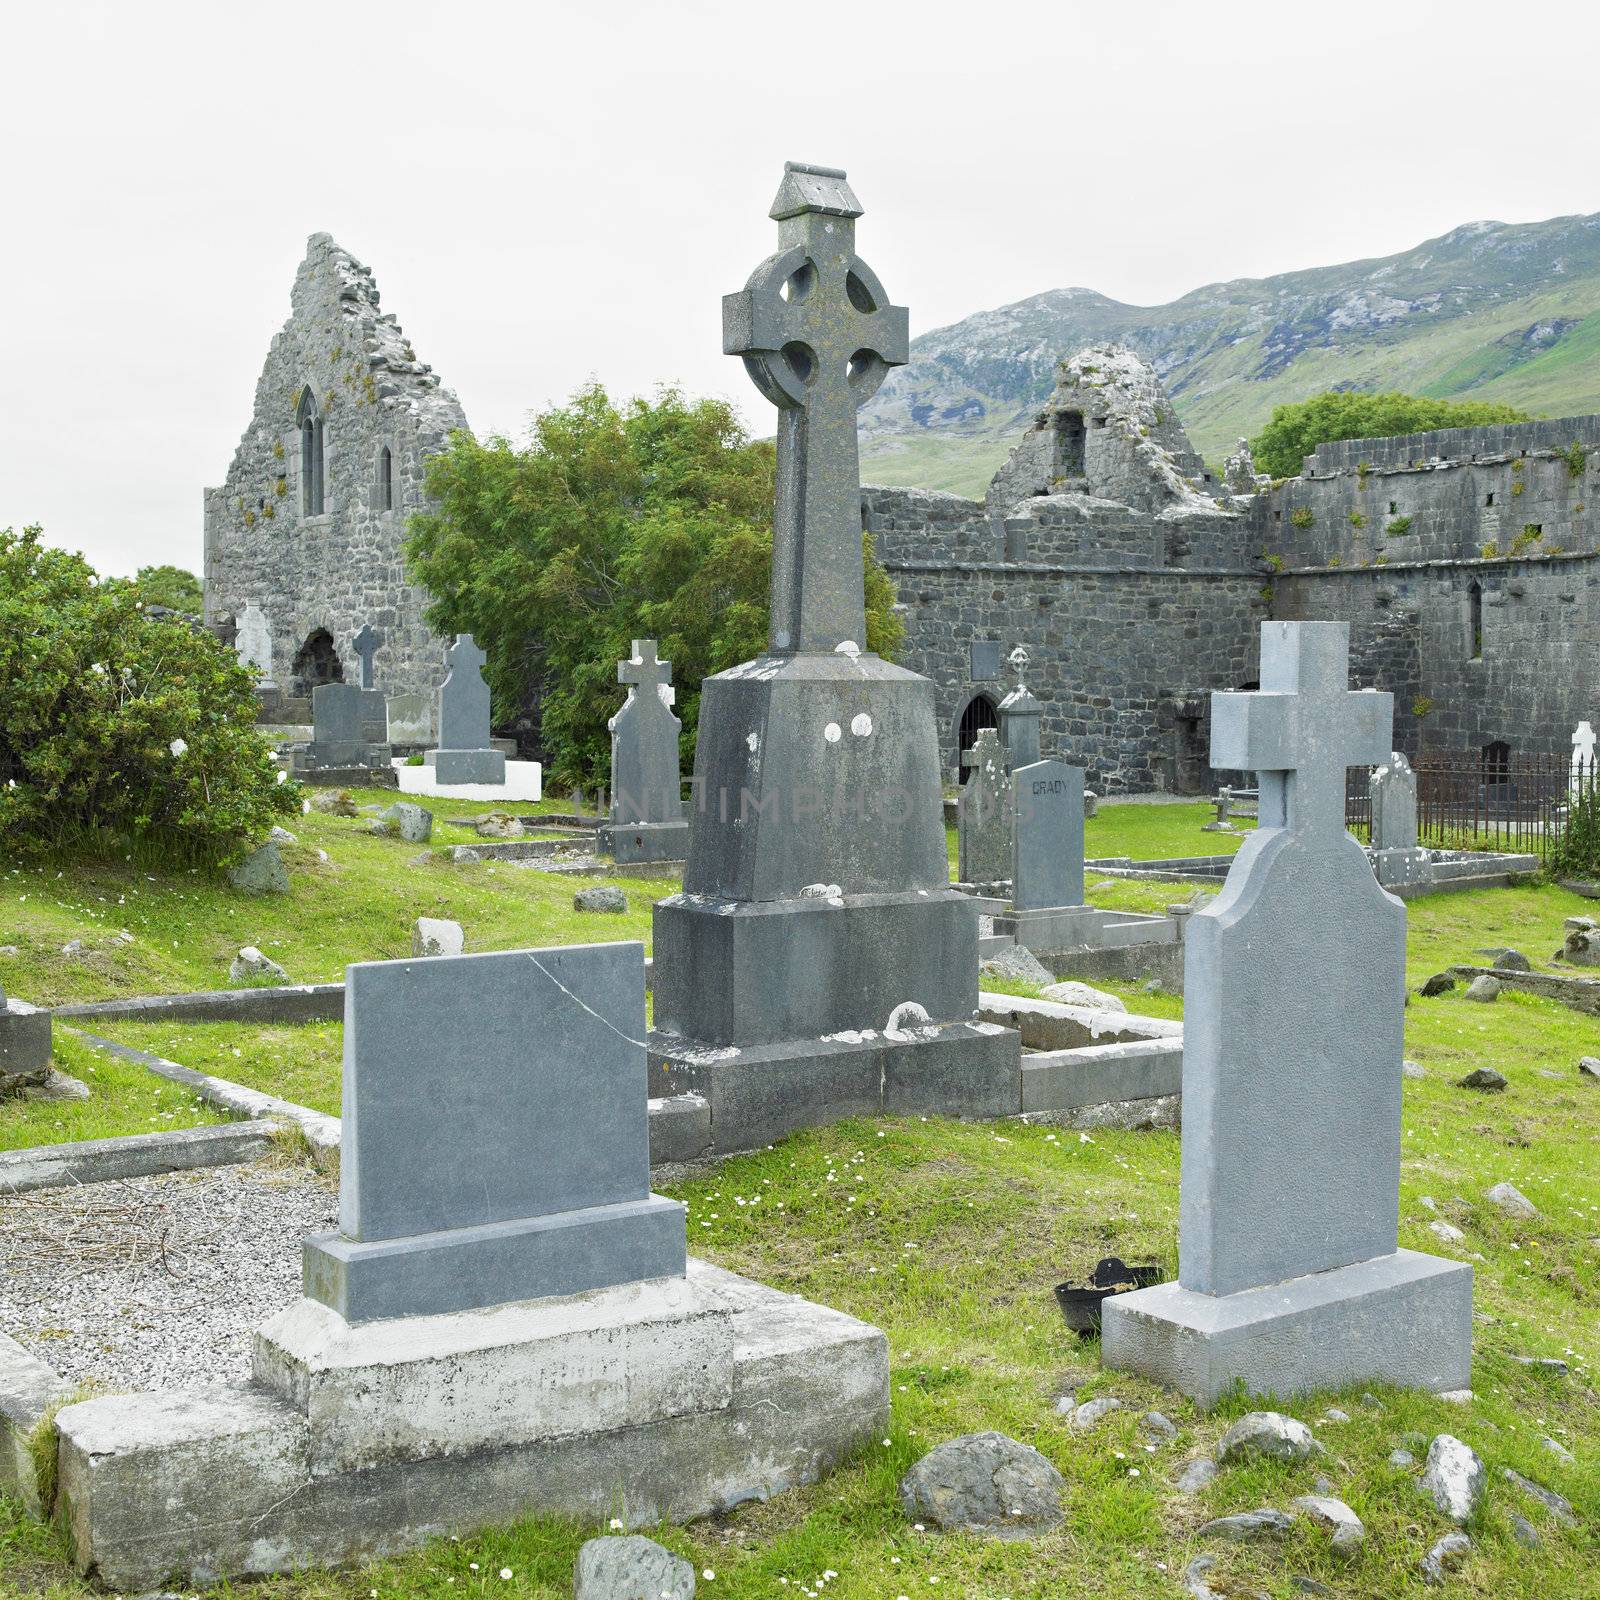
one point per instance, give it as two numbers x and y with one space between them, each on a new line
950 1236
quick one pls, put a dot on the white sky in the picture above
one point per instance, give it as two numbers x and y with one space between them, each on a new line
550 191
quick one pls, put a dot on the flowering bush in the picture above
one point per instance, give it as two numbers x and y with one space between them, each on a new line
119 730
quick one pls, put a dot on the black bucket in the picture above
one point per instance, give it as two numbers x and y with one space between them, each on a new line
1080 1303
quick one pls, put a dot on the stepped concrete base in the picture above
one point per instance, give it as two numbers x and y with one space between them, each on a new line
654 1401
657 842
467 766
1084 927
1404 1319
762 1092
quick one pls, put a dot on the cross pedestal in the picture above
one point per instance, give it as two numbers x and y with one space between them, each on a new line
1289 1277
817 915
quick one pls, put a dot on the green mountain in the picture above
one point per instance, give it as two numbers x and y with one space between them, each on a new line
1489 311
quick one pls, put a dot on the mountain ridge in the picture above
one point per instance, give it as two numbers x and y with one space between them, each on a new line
1488 310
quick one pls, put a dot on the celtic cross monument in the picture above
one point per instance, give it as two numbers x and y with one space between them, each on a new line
816 901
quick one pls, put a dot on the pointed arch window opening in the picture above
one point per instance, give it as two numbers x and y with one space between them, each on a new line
312 490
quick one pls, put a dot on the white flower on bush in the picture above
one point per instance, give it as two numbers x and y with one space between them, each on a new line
178 748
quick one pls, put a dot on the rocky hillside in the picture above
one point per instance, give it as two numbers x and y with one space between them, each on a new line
1489 311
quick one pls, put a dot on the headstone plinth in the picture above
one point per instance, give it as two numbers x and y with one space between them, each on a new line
817 963
342 747
646 820
464 754
1289 1276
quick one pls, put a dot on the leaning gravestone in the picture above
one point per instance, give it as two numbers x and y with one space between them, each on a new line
506 1325
817 913
1289 1278
646 821
1396 857
983 813
464 754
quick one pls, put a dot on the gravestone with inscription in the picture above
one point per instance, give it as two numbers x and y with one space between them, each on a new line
818 963
252 643
1396 858
1047 910
1289 1278
646 821
464 754
983 813
341 747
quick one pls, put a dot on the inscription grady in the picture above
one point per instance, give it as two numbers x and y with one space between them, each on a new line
1049 786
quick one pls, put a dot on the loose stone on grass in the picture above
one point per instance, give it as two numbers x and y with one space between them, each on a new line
498 825
1198 1471
984 1483
404 820
1160 1428
1333 1514
630 1567
605 897
1267 1522
1082 994
1019 963
1445 1557
250 963
437 936
332 802
1589 1068
1413 1069
1483 988
1439 983
1525 1533
1455 1477
1511 1200
1484 1079
261 872
1557 1505
1093 1411
1270 1434
1512 961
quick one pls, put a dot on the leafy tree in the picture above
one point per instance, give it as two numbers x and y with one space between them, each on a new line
173 587
118 729
648 520
1296 430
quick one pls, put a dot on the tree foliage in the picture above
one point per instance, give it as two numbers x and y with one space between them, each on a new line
173 587
1296 430
647 520
118 729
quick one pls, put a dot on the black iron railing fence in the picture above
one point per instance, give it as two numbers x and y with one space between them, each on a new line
1489 800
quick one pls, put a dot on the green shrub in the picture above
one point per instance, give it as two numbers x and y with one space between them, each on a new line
121 731
416 761
1577 851
1302 516
1574 457
1358 520
1397 526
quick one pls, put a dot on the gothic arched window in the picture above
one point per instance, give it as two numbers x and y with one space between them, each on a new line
309 421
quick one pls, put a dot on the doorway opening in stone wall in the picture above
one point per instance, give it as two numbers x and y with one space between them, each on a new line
316 662
1068 453
979 712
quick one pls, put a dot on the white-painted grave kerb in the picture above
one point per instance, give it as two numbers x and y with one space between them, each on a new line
1289 1275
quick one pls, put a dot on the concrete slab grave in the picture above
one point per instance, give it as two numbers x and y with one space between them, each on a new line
817 957
505 1324
1289 1274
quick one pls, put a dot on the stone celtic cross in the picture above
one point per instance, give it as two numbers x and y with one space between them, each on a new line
1304 727
366 646
645 667
818 335
465 656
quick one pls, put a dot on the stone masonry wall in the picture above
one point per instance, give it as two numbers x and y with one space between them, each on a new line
342 359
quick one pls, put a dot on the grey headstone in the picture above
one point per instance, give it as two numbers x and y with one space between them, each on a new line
340 727
537 1181
1020 716
1047 861
1393 790
464 698
983 813
252 642
1292 1049
366 645
646 781
410 719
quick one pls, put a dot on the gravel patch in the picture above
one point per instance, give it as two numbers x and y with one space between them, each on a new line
157 1283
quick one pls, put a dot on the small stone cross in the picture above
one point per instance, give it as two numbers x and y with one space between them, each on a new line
1303 729
818 335
464 656
366 646
645 668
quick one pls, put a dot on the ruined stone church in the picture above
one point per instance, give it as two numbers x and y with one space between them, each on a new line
308 526
1465 560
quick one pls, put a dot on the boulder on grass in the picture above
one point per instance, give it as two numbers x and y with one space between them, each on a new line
630 1567
603 897
250 964
261 872
437 936
1455 1477
1484 1079
404 820
1511 1200
1483 988
498 825
332 802
1082 994
1270 1434
984 1483
1018 963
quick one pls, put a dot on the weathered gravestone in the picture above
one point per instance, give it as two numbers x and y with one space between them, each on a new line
366 645
1289 1278
507 1323
464 754
24 1045
1047 910
1584 771
1396 857
646 821
409 718
817 914
983 813
340 744
1020 716
252 642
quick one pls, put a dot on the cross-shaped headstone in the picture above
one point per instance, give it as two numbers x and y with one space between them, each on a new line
1304 727
818 335
366 646
644 667
1020 715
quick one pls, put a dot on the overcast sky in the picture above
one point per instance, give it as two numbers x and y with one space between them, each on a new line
549 192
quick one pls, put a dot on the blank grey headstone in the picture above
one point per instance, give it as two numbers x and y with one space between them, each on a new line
339 732
464 698
645 770
1047 848
253 641
983 660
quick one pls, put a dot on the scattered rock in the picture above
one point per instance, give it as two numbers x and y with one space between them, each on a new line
1439 983
1334 1414
1447 1232
630 1567
437 936
498 825
282 836
603 897
1370 1399
1483 988
1445 1557
1308 1586
1402 1458
1194 1575
1413 1069
403 820
1559 1451
1091 1411
56 1086
1267 1433
1456 1397
1512 1201
984 1483
332 802
1558 1506
1580 924
1018 962
1265 1523
1484 1079
1525 1533
1082 994
1197 1472
1454 1476
1334 1515
1589 1067
250 963
1551 1366
73 947
1512 961
1159 1427
261 872
1582 947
